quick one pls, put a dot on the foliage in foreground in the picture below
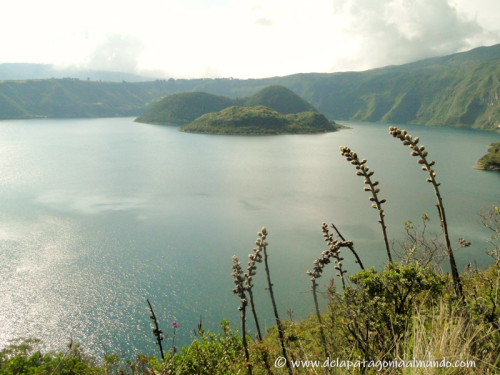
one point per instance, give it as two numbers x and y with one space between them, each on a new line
402 312
21 359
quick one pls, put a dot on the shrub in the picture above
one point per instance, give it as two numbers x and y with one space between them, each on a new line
376 311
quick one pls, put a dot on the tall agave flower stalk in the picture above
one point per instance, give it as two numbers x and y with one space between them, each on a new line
262 246
419 151
333 251
334 247
351 247
254 258
239 289
316 274
156 329
252 267
364 171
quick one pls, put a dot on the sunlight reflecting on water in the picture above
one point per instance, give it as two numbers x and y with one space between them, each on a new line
100 214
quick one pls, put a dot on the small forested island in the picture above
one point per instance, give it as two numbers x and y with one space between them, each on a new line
181 109
490 161
259 120
273 110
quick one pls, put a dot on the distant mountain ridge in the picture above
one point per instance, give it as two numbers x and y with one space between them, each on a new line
462 89
179 109
23 71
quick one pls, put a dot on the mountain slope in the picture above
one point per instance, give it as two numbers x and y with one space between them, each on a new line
458 90
64 98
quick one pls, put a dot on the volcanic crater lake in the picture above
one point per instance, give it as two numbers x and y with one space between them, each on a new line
99 214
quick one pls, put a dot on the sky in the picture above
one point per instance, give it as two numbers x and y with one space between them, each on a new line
241 38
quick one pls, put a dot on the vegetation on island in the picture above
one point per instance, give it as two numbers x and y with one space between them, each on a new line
490 161
259 120
409 317
180 109
457 90
280 99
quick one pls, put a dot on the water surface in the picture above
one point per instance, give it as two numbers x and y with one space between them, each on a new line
99 214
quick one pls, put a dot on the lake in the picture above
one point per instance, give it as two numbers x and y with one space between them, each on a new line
99 214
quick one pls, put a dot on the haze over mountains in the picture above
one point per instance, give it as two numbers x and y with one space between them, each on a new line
21 71
458 90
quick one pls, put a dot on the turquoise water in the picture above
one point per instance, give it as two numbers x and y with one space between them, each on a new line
99 214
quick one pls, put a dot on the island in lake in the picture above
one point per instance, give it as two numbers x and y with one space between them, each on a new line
273 110
259 120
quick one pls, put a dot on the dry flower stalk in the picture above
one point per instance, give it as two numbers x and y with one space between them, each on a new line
262 246
364 171
419 151
319 264
239 289
351 247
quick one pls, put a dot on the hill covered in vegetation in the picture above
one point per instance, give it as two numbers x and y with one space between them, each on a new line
280 99
490 161
259 120
462 89
180 109
66 98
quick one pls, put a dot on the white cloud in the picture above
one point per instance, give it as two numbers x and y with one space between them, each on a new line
252 38
400 31
117 53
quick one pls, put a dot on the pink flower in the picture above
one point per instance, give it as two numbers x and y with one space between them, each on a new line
175 325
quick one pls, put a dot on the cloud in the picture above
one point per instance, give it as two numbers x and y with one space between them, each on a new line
400 31
264 22
245 39
117 53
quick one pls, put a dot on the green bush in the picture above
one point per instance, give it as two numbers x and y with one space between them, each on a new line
20 359
376 311
209 353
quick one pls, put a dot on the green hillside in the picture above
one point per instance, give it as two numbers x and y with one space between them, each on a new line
458 90
280 99
64 98
490 161
259 120
179 109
